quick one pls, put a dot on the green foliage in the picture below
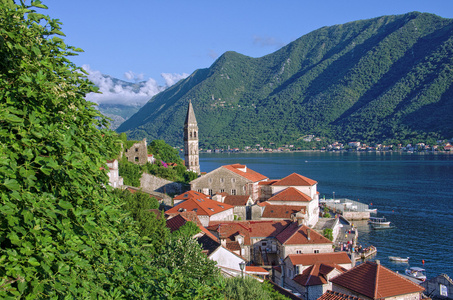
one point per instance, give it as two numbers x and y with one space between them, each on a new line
183 253
63 234
130 172
370 80
166 152
187 230
328 233
247 288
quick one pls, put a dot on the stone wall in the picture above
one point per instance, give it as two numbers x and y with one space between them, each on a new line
138 153
153 183
356 215
221 180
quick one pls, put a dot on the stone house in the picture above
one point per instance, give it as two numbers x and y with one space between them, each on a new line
371 280
250 239
298 239
294 190
310 274
233 179
439 287
226 260
242 204
138 153
206 209
115 180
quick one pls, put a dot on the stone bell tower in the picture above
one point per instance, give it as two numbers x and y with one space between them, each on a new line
191 155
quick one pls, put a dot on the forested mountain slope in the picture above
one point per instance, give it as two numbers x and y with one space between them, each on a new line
372 80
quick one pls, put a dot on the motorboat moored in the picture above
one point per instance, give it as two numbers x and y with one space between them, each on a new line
399 259
417 273
378 221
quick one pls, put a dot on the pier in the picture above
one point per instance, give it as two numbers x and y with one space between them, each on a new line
349 209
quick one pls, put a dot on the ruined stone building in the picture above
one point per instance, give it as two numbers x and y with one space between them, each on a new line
138 153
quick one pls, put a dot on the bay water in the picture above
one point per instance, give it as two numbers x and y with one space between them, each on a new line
412 190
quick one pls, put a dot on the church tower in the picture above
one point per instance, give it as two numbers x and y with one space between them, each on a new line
191 155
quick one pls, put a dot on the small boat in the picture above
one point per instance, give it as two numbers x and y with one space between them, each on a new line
382 227
371 210
399 259
378 221
417 273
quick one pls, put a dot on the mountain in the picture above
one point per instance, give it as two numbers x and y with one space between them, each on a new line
383 79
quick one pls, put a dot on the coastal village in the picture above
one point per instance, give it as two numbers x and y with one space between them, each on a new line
278 230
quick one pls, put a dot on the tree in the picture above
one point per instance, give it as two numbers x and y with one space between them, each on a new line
62 233
166 152
249 288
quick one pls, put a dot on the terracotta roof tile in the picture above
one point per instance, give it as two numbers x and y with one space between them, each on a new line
295 180
249 229
329 295
256 270
200 206
376 281
281 211
236 200
248 174
298 235
191 195
176 222
326 258
316 274
290 194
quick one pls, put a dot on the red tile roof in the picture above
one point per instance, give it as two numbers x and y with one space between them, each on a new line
295 180
236 200
189 215
249 229
176 222
248 174
298 235
202 206
281 211
315 274
256 270
290 194
268 182
307 259
329 295
376 281
191 194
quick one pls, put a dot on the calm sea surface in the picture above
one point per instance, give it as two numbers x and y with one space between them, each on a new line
414 191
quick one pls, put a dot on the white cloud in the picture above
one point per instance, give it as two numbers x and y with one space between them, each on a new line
266 41
112 93
171 79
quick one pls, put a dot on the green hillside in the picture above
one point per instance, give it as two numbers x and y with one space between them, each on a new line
383 79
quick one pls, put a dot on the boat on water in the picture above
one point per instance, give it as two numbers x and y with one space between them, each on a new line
382 227
417 273
378 221
399 259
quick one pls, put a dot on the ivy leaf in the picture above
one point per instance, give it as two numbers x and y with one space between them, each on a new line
12 184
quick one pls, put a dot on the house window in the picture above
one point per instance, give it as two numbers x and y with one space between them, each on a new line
233 192
210 192
298 251
210 180
199 190
222 180
222 190
136 158
316 251
264 243
297 270
194 134
233 179
136 149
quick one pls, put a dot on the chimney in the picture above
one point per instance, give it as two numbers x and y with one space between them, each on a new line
378 262
300 221
308 233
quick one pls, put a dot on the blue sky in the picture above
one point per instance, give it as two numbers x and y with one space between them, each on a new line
163 41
